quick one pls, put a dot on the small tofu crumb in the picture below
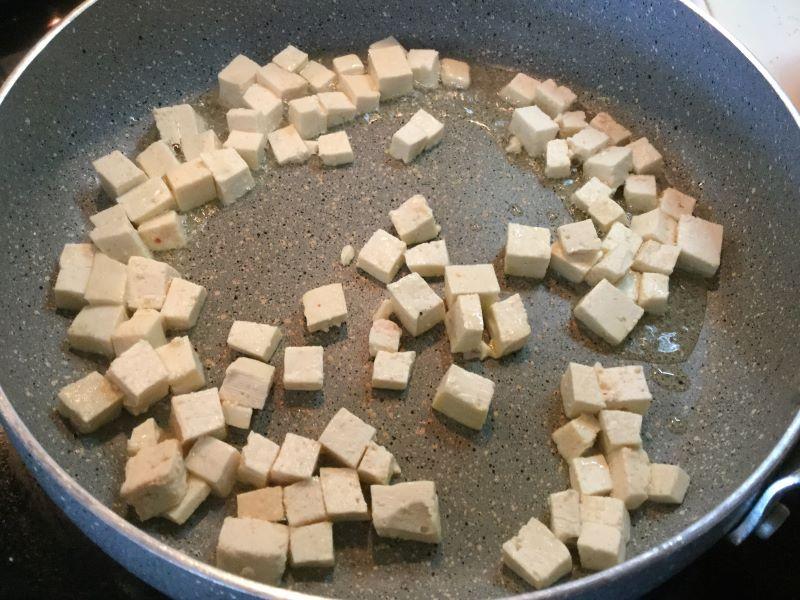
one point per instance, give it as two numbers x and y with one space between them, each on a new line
347 255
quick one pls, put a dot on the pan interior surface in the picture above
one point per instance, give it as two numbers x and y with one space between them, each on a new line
723 384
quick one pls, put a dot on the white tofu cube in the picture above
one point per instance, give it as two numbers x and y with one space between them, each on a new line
615 263
296 460
246 119
653 293
307 116
655 225
155 479
392 370
267 104
630 476
605 212
192 184
572 267
93 327
258 456
304 503
577 436
319 77
433 128
362 92
76 256
215 462
106 283
349 64
586 143
570 123
620 234
641 193
533 128
378 465
413 220
580 391
553 99
429 259
288 147
197 414
253 549
387 42
558 163
164 232
668 484
186 373
520 91
537 555
325 307
527 251
145 434
565 515
507 322
147 200
346 438
334 149
608 312
616 133
182 304
90 402
265 504
590 192
257 340
471 279
625 388
117 173
197 491
700 244
147 282
620 428
415 303
234 80
578 237
69 290
381 256
600 546
407 511
230 172
312 545
291 58
408 142
341 490
384 310
464 324
646 159
337 107
247 383
464 397
157 159
251 146
112 217
176 123
611 166
286 85
676 204
426 68
145 324
455 74
389 68
141 376
654 257
303 368
629 285
384 335
589 475
205 141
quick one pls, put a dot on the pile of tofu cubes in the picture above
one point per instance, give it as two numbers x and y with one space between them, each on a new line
629 268
609 471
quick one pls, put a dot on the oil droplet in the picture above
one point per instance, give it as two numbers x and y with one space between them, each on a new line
475 227
677 425
667 343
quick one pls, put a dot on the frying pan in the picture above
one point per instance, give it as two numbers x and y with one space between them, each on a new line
723 363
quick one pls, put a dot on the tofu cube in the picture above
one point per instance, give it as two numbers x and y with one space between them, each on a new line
341 491
407 511
408 142
676 204
616 133
182 304
164 232
362 92
197 491
197 414
464 324
117 173
257 340
334 149
537 555
147 433
625 388
553 99
258 456
119 241
267 104
655 225
176 123
346 438
390 70
415 303
425 67
533 128
558 163
611 166
605 212
147 282
577 436
620 428
608 312
378 465
570 123
185 371
145 324
194 146
586 143
646 159
381 256
565 515
464 397
589 193
93 328
653 293
69 290
641 194
244 119
286 85
215 462
630 476
600 546
155 479
384 335
654 257
231 174
578 237
392 370
668 484
700 244
141 375
580 391
620 234
455 74
157 159
90 402
247 383
428 259
471 279
413 220
291 58
296 460
319 77
520 91
311 545
288 147
254 549
234 80
237 415
433 128
250 145
507 322
572 267
147 200
304 503
325 307
615 263
192 184
307 116
629 285
387 42
303 368
265 504
337 107
76 256
349 64
589 475
527 251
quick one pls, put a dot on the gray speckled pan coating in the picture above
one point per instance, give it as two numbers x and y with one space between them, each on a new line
726 137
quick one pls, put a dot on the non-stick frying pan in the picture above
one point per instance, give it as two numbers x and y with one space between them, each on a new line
723 364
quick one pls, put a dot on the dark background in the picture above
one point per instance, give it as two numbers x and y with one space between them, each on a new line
42 555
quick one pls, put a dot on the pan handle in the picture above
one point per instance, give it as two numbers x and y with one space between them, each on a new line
768 513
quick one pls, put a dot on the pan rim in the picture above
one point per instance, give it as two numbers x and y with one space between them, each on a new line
47 471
